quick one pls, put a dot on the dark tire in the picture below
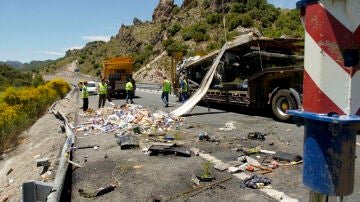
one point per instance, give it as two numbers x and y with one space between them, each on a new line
281 102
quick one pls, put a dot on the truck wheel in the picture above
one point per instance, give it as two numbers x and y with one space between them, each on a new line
281 102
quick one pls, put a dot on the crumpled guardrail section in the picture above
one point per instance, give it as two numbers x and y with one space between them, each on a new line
40 191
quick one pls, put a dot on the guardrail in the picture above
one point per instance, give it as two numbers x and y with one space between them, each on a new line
41 191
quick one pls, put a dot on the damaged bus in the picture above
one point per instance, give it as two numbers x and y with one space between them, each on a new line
255 72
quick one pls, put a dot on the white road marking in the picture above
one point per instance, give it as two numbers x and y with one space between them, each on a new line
278 195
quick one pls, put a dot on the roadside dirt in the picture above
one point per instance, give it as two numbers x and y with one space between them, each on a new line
44 139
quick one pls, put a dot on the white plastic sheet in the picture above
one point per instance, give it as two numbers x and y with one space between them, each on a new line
204 86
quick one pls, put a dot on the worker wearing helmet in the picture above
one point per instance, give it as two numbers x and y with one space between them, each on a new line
85 96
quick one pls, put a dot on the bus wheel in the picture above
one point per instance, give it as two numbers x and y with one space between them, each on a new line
281 102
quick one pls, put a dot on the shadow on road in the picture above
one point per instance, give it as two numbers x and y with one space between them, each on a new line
203 113
239 109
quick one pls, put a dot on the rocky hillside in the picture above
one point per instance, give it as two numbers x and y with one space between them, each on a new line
194 27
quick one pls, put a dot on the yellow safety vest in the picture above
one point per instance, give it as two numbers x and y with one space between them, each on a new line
185 87
84 92
129 86
167 86
103 88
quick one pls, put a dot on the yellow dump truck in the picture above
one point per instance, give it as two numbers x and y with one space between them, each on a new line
117 71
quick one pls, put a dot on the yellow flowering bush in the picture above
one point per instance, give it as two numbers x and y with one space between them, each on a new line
60 86
10 117
7 114
20 107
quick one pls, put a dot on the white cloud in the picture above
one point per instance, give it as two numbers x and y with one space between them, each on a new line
54 53
96 38
73 48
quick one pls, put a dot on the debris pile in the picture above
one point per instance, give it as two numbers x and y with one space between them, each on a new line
126 117
252 158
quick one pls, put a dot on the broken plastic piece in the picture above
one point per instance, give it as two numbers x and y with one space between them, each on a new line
105 190
283 156
256 136
252 181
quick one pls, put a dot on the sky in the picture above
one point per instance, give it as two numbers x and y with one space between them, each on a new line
46 29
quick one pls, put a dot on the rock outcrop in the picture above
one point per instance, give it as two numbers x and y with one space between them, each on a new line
163 11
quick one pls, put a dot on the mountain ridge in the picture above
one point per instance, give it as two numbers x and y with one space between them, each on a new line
194 27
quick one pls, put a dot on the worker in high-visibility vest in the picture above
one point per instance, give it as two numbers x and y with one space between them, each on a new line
102 88
85 96
184 89
166 90
129 91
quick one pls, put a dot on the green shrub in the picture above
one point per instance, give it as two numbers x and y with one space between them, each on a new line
176 47
187 34
237 7
38 80
196 32
174 29
167 42
214 18
176 10
247 21
233 20
211 46
96 65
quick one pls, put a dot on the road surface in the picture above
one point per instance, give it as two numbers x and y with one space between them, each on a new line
140 177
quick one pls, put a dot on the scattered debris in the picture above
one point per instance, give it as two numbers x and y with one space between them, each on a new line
206 175
9 171
283 156
253 182
196 151
252 161
98 192
248 151
206 137
228 126
4 198
267 151
256 136
88 147
243 167
168 137
267 170
46 176
42 162
127 117
225 166
127 141
200 187
75 164
165 150
233 169
195 179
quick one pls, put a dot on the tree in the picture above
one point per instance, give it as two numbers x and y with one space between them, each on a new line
38 80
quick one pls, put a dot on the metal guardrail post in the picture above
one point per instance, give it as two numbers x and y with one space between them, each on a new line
331 101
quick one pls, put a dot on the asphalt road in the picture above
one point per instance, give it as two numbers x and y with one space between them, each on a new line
141 177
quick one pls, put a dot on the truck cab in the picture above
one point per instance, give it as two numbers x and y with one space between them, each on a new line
117 71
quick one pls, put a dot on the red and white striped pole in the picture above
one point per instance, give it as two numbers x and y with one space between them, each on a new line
331 95
332 36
